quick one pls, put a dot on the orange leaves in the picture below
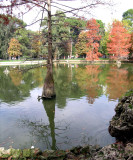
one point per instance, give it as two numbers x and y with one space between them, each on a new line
118 44
88 41
93 40
93 31
87 79
117 82
14 48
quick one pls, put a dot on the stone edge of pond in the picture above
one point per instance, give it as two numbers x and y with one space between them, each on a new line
116 151
90 62
62 62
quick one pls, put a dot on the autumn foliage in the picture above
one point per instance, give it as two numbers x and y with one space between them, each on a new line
5 19
119 39
14 48
81 47
16 77
88 81
117 82
93 40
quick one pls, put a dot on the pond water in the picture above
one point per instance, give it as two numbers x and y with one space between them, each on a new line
86 96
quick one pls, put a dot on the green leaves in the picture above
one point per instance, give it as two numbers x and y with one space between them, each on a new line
128 15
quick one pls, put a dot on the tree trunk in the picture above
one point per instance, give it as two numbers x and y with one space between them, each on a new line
49 61
48 88
56 53
9 57
71 48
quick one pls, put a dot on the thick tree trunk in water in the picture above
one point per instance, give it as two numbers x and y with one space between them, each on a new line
48 88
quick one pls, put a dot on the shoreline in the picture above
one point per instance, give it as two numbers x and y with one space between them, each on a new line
121 127
116 151
61 62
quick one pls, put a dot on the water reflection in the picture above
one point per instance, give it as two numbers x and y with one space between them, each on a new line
97 80
85 99
66 85
91 81
16 77
49 106
16 86
88 79
46 133
118 81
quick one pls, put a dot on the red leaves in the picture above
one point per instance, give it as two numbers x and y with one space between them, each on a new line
93 40
5 19
118 44
117 82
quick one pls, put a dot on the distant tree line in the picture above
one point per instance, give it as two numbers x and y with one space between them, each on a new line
115 42
71 37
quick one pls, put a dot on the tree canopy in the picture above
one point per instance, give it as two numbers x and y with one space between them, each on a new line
119 39
93 40
81 45
14 48
128 15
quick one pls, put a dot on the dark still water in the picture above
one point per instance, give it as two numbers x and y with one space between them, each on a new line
80 114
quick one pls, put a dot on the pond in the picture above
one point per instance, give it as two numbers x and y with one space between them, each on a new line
86 96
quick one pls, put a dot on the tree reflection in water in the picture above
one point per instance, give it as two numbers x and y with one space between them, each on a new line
49 106
87 79
47 133
94 83
97 80
91 81
118 81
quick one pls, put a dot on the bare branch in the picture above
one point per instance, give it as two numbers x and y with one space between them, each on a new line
77 9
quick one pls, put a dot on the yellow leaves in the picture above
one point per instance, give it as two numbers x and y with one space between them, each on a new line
81 47
16 77
14 48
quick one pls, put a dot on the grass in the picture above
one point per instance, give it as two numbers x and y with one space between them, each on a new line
84 59
104 58
21 60
130 106
10 60
129 93
74 59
